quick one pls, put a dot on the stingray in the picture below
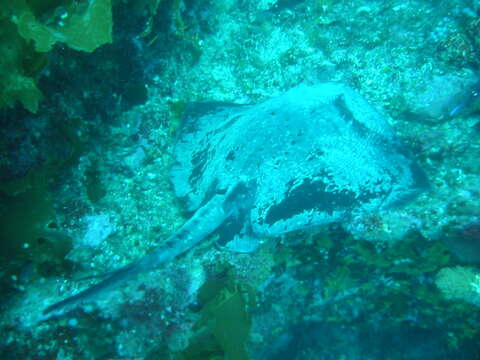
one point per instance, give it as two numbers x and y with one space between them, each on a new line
314 155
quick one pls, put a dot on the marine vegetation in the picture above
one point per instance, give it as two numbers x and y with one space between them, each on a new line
28 31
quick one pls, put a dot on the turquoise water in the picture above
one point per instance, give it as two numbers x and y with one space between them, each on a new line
257 255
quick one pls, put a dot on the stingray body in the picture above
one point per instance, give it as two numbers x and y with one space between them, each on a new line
314 155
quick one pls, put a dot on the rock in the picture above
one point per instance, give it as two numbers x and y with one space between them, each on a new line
442 95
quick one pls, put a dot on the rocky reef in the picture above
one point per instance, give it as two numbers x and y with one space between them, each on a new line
91 100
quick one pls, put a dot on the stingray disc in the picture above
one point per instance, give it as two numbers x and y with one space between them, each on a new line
315 154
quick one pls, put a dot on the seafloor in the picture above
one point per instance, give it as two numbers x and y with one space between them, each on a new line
86 151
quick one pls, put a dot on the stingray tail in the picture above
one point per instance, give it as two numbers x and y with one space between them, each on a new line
115 279
205 220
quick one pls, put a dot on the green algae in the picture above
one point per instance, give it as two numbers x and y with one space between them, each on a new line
25 212
82 27
30 28
410 256
28 230
224 326
19 65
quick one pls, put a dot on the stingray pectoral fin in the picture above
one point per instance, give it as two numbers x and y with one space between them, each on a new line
205 220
